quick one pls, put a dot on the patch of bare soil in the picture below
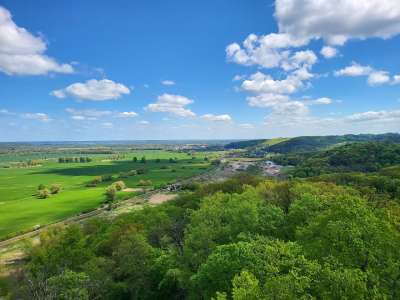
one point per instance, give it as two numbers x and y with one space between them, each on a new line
160 198
130 190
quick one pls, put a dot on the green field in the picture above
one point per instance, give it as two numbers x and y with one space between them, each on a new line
20 208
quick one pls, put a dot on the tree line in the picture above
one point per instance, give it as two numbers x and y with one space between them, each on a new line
82 159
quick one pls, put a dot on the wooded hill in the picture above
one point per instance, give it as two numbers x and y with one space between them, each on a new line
310 143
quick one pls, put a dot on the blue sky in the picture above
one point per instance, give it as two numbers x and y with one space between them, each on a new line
90 70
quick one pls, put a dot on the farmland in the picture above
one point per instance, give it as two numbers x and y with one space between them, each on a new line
21 209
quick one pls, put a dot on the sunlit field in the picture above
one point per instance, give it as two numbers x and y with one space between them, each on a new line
21 209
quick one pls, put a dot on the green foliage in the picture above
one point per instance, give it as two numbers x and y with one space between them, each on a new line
119 185
144 182
111 193
356 157
315 143
106 177
69 285
43 193
55 188
81 159
240 239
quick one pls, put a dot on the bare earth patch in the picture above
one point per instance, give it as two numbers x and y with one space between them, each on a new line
132 190
160 198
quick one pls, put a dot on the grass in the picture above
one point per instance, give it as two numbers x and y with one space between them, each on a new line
275 141
20 209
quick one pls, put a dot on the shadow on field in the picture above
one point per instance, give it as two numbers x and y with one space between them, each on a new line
111 168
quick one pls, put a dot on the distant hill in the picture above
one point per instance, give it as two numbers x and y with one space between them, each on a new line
254 143
355 157
315 143
243 144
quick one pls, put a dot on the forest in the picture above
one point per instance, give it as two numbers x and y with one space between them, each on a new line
332 235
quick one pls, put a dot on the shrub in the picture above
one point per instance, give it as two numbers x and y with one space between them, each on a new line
123 175
173 170
143 160
55 188
164 167
106 177
158 160
44 193
132 173
141 171
41 187
111 192
95 181
134 159
144 182
119 185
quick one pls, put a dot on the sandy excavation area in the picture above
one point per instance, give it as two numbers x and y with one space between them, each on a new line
160 198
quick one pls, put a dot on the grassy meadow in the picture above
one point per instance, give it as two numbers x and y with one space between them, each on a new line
21 209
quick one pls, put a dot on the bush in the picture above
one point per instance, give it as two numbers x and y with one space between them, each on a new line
164 167
44 193
132 173
106 177
158 160
134 159
55 188
41 187
173 170
111 193
141 171
123 175
143 160
144 182
95 181
119 185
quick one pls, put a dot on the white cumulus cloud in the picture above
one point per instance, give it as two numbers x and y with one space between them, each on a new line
95 90
267 100
375 77
323 101
217 118
338 21
173 104
354 70
329 52
382 115
127 114
22 53
270 51
378 78
264 83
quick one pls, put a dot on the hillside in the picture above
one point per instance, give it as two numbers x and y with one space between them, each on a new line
354 157
314 143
